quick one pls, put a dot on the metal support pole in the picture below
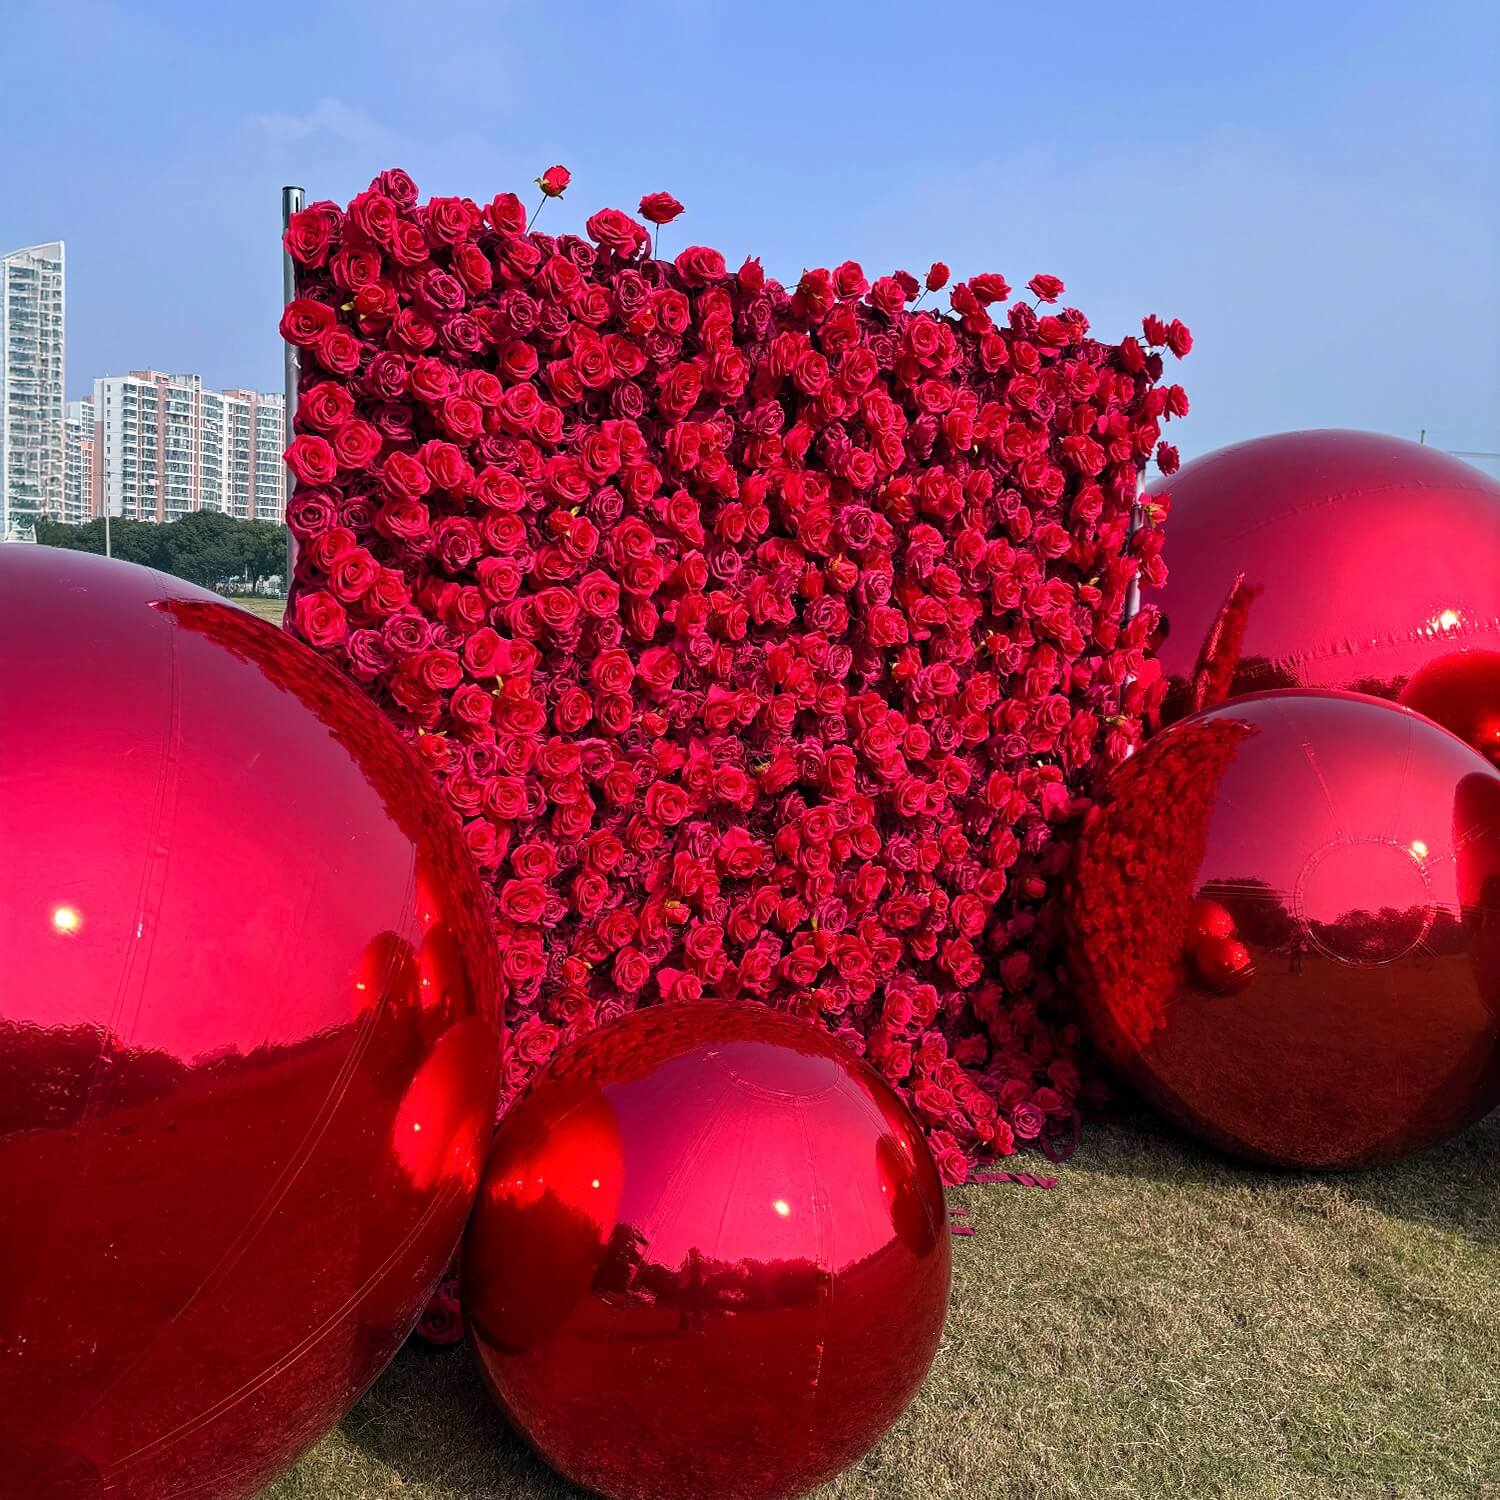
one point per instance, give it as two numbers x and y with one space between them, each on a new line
292 200
1137 520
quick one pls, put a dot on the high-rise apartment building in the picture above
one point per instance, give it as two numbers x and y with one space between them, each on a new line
80 497
31 387
166 446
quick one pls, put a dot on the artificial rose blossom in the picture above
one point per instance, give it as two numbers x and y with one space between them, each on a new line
659 208
767 643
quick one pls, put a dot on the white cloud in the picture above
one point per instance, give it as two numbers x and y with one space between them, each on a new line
328 117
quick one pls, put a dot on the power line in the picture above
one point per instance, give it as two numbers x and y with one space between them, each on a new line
1457 452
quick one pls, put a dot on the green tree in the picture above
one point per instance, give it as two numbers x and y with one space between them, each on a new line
205 547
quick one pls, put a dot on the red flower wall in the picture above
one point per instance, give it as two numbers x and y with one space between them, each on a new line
766 642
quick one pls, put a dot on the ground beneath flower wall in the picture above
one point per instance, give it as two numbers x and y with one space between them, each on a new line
1163 1324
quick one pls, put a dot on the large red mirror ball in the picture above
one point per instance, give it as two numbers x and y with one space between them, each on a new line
1334 559
710 1257
1283 924
248 1038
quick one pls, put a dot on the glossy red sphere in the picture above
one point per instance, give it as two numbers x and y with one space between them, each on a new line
1353 1013
248 1038
710 1257
1334 560
1462 692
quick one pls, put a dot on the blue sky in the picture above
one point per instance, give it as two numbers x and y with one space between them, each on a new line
1314 188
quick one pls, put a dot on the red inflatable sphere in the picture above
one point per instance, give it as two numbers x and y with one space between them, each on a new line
1333 560
710 1257
1462 692
248 1038
1353 1013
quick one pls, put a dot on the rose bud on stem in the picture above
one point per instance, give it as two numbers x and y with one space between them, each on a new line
553 183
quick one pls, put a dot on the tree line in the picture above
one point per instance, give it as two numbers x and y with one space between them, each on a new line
205 547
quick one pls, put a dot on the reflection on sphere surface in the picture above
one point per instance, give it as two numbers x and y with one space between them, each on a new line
710 1257
1351 1012
248 1038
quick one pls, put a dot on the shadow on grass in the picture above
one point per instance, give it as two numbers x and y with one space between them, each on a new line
430 1420
1454 1186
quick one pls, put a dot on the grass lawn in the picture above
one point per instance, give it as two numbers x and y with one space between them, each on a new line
267 609
1163 1324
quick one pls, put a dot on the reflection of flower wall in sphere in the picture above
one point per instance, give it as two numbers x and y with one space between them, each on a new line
765 641
1132 889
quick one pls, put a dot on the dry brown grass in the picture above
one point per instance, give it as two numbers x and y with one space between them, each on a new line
1164 1324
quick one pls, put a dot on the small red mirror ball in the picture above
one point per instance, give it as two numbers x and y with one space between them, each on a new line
710 1257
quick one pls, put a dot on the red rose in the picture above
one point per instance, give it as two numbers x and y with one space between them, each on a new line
699 266
889 296
439 671
598 594
989 288
617 231
557 608
937 277
305 322
666 804
471 704
432 381
403 519
309 234
375 216
327 547
659 208
523 900
671 309
403 478
554 181
849 280
355 267
680 388
397 186
387 593
339 351
612 671
325 405
451 220
441 1322
507 214
356 445
311 459
352 574
1045 288
320 620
